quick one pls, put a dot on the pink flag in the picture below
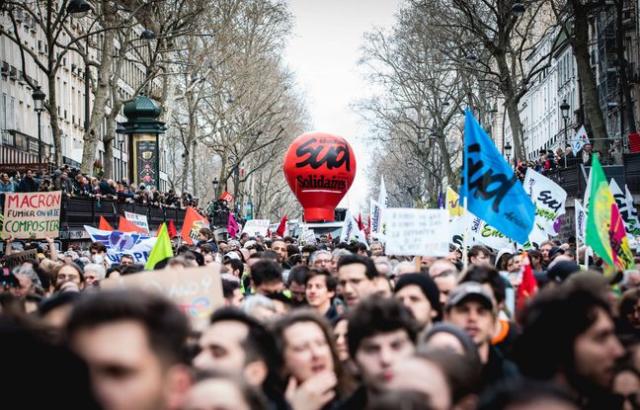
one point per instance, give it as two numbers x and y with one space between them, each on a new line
232 226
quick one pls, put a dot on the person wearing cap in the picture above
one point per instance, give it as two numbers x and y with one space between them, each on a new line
471 307
420 295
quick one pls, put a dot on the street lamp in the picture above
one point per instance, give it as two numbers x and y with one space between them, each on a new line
565 107
215 184
147 35
507 151
79 8
518 9
38 104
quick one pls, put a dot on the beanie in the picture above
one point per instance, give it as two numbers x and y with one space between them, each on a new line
426 285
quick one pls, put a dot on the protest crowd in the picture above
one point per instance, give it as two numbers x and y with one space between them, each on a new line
396 313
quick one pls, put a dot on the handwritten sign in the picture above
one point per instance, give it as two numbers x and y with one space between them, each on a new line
423 232
138 220
31 215
196 291
256 227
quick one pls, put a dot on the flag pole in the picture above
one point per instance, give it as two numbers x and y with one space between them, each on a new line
465 259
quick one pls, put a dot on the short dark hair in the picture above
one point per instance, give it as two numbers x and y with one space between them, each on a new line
477 249
98 246
228 287
489 276
292 249
269 254
208 233
126 255
298 274
166 326
370 271
266 271
521 391
330 280
565 313
235 264
376 315
309 249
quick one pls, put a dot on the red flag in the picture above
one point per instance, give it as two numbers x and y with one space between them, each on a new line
360 224
282 228
104 225
528 287
171 229
193 221
125 225
368 232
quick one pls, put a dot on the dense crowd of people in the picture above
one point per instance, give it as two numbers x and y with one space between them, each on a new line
324 326
73 183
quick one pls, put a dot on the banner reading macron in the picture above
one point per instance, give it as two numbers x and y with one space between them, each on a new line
31 215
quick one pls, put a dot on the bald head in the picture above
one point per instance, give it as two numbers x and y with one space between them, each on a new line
440 266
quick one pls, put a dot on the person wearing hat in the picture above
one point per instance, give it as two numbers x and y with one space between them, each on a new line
420 294
471 307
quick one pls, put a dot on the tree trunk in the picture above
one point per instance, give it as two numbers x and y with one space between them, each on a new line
107 140
446 159
511 103
594 119
101 93
194 188
53 117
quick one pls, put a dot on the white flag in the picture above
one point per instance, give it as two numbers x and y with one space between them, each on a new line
549 199
581 221
579 140
350 230
633 225
375 211
382 196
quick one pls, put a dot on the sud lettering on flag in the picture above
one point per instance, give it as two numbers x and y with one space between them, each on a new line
493 191
549 199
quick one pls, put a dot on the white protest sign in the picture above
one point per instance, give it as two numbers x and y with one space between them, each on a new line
633 224
123 243
579 140
581 221
138 220
351 232
308 236
549 199
256 227
484 234
421 232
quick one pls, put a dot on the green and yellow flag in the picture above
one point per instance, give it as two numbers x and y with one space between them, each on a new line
161 250
605 231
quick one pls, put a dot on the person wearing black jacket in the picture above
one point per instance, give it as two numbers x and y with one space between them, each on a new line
28 183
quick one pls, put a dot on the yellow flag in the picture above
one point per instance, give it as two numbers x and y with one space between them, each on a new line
453 203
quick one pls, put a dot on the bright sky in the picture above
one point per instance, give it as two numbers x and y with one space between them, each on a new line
323 53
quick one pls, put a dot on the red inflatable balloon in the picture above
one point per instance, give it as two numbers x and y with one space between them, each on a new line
319 168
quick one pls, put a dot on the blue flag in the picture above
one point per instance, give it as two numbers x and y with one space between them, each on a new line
494 193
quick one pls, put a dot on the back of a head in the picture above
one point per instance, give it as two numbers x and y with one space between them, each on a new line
266 271
375 315
522 392
166 326
371 272
298 274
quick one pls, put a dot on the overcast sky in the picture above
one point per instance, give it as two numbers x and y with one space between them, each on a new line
323 52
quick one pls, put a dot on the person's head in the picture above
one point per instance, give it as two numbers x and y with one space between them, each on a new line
626 385
134 345
296 283
266 276
93 273
630 308
205 234
97 248
237 344
231 291
471 307
545 248
490 278
307 345
380 333
261 307
587 147
522 394
55 310
479 255
445 281
420 295
450 337
306 252
440 266
336 254
280 247
127 260
583 348
68 273
320 259
356 278
340 332
214 390
320 288
235 266
376 249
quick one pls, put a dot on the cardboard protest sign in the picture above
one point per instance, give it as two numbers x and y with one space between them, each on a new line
256 227
15 259
422 232
31 215
123 243
197 291
138 220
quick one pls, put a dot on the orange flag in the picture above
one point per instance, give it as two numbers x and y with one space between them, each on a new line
104 225
124 225
193 221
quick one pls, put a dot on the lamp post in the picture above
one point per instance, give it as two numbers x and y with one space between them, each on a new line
144 129
38 104
565 107
215 184
507 151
